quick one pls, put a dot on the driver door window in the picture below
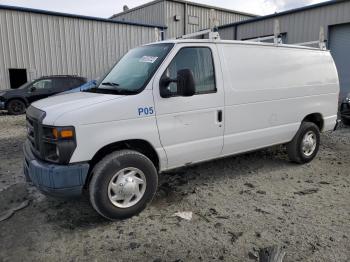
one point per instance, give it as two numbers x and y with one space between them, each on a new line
200 61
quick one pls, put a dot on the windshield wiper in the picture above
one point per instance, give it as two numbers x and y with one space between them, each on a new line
109 84
115 91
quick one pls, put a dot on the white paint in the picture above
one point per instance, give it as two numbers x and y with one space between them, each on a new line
264 93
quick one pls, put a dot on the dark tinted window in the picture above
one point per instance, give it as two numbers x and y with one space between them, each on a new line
63 84
77 82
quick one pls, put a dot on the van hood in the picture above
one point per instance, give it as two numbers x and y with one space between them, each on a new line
56 106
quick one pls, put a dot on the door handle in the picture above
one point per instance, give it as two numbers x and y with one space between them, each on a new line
220 116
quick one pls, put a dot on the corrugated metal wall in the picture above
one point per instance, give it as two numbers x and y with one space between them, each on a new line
227 33
302 26
204 13
149 14
46 44
163 13
175 28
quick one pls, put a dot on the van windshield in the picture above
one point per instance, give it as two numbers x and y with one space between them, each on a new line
132 73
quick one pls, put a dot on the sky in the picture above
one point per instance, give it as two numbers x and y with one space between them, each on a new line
106 8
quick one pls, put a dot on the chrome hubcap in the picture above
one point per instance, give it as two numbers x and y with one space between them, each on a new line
309 143
127 187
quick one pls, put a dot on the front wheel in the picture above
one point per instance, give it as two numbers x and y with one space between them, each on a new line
123 184
305 144
16 107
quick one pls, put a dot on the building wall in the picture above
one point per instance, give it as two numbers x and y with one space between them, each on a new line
204 13
175 28
46 45
152 13
301 26
227 33
163 12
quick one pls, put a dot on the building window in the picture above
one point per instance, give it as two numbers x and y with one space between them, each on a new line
18 77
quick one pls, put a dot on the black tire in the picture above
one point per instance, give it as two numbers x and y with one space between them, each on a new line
16 107
346 121
102 175
295 147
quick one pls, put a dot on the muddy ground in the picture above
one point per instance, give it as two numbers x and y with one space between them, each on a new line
240 204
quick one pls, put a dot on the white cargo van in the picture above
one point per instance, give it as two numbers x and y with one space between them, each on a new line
176 103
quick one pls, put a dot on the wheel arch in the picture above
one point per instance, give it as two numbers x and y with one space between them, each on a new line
142 146
315 118
17 98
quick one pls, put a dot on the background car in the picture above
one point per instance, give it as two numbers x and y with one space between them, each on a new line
15 101
345 110
84 87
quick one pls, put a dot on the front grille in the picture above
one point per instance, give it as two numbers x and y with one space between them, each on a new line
33 123
33 133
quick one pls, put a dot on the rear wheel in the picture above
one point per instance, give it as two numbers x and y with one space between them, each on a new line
304 146
16 107
122 184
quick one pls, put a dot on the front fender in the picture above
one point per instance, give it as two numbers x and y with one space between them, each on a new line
93 137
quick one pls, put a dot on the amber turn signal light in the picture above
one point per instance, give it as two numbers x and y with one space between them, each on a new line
66 133
62 133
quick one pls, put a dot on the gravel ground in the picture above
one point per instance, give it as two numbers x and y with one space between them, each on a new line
240 204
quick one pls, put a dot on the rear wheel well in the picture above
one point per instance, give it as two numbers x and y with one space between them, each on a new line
315 118
140 146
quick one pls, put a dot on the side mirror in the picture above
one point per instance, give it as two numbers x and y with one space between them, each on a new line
185 84
32 89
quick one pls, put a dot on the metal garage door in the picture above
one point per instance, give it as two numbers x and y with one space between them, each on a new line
340 48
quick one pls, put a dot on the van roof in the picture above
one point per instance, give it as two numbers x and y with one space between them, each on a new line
236 42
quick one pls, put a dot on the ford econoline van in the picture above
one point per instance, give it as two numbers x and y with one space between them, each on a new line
176 103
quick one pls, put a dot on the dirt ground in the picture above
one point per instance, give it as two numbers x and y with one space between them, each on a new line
240 204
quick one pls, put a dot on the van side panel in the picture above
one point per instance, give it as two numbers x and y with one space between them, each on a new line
270 90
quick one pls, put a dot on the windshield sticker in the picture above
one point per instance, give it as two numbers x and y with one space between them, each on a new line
148 59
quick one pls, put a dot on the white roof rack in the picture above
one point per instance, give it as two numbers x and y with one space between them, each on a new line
277 38
321 42
212 32
212 35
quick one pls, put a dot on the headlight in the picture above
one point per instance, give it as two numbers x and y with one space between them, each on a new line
58 144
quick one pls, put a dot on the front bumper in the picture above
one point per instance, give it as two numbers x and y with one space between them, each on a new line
52 179
2 105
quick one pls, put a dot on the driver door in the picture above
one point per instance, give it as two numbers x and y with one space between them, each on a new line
191 128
